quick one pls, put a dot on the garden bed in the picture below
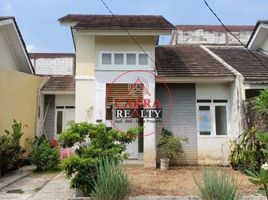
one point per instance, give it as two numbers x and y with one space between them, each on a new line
178 181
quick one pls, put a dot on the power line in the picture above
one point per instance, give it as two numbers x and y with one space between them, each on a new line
248 50
127 31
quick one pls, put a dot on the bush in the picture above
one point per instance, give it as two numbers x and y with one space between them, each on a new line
45 157
81 168
246 151
170 146
10 150
112 182
217 185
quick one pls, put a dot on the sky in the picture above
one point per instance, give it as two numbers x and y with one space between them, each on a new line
37 20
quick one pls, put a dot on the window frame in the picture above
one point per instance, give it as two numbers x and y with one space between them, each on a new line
124 65
63 109
212 106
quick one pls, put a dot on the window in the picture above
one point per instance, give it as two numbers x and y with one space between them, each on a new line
204 116
212 117
59 121
118 58
106 59
143 59
124 58
221 120
131 59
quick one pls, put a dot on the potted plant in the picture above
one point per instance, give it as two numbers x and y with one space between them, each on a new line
169 147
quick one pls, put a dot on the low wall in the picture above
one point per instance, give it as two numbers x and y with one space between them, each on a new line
18 101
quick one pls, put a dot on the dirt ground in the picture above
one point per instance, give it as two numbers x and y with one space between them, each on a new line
177 181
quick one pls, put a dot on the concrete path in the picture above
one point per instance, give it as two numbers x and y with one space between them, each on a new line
56 189
25 185
14 176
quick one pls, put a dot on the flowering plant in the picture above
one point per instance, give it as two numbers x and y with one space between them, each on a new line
54 143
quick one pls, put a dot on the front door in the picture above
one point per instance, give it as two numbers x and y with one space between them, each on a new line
64 116
132 148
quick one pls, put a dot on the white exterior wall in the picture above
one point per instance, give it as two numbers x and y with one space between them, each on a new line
85 100
215 149
209 37
53 66
65 100
7 59
265 45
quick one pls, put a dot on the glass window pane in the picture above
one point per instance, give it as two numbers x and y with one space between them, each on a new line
118 59
59 121
106 59
143 59
204 119
221 120
131 59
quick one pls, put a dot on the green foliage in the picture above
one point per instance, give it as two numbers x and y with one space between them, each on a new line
261 102
217 185
112 182
45 157
170 146
81 168
10 149
260 179
246 151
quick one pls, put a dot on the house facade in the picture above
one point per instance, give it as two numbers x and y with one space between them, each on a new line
120 76
57 95
18 84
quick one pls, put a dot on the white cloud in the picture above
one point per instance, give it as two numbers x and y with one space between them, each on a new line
31 48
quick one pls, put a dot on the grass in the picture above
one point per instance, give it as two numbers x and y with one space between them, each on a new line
112 182
16 191
219 185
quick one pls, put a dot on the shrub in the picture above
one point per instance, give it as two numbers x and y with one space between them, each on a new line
170 146
10 150
45 157
217 185
246 151
81 168
112 182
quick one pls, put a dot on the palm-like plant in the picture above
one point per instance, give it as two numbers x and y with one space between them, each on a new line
261 102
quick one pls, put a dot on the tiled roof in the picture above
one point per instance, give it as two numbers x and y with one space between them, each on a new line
6 17
217 28
110 22
245 63
51 55
188 61
60 83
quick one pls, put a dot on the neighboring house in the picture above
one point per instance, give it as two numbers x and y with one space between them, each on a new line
201 89
57 95
18 84
210 34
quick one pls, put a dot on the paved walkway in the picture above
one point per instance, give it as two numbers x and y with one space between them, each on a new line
56 189
25 185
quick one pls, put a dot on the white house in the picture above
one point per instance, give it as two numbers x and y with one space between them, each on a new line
123 78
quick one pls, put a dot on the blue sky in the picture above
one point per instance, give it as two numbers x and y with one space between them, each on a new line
41 31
